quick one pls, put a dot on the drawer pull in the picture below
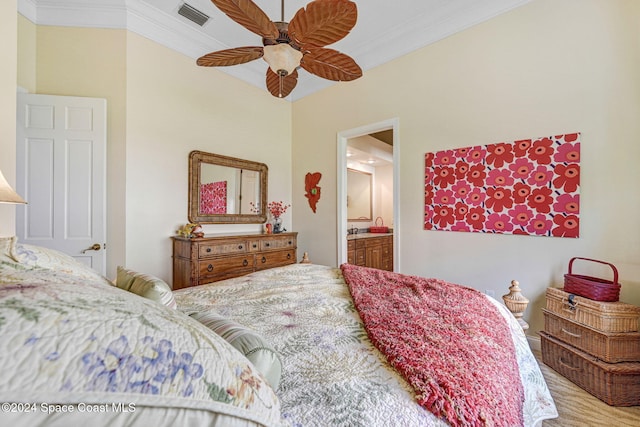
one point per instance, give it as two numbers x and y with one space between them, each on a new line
255 246
290 242
571 334
208 249
264 259
245 263
239 246
267 244
567 365
210 267
288 256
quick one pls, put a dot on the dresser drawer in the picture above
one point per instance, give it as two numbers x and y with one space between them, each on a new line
238 265
233 246
277 242
609 347
387 250
197 261
254 245
351 256
275 259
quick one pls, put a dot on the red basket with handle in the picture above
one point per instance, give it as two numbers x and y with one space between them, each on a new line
379 228
592 287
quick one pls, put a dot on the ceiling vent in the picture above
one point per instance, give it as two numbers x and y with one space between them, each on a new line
193 14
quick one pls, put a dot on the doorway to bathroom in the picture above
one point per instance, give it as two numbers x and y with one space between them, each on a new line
371 153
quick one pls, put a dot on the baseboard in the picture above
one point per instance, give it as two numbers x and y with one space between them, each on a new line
534 342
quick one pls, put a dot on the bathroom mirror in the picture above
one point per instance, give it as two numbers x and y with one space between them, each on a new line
359 190
226 190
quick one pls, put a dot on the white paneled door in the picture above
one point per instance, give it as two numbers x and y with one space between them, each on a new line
61 173
249 190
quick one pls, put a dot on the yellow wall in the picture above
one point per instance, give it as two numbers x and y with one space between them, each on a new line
8 76
160 107
174 107
546 68
27 40
91 63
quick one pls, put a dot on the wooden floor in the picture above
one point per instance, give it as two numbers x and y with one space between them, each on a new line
577 408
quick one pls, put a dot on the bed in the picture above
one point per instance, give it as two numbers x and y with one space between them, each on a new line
289 346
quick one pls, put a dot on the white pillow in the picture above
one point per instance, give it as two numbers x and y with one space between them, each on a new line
248 342
145 285
22 258
7 245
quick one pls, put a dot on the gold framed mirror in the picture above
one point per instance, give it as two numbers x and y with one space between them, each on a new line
226 190
359 195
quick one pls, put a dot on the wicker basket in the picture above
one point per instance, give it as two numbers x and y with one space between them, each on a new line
379 228
592 287
607 317
610 348
616 384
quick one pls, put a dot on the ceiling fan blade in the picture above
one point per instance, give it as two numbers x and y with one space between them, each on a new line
331 64
279 86
235 56
250 16
323 22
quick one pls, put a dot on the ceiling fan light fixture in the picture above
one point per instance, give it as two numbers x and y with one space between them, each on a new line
287 46
282 58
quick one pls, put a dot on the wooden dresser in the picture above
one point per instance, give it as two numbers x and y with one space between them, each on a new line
211 258
371 250
594 344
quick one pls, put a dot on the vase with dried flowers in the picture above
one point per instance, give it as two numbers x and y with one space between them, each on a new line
277 209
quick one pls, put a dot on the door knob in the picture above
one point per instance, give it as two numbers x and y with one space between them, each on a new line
94 247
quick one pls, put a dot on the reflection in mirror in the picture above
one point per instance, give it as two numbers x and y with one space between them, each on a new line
226 190
358 196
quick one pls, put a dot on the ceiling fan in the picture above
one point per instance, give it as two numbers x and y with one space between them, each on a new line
289 45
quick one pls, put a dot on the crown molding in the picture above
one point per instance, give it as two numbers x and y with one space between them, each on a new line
187 38
140 18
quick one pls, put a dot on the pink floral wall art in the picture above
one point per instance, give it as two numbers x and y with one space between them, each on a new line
528 187
213 198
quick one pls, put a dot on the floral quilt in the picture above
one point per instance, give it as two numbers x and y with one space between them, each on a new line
71 339
332 374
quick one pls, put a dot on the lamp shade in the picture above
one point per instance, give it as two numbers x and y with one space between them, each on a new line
282 58
7 195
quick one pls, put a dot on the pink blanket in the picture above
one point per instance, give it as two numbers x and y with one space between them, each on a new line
448 341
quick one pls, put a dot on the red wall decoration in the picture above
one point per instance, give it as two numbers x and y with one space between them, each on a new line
528 187
312 191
